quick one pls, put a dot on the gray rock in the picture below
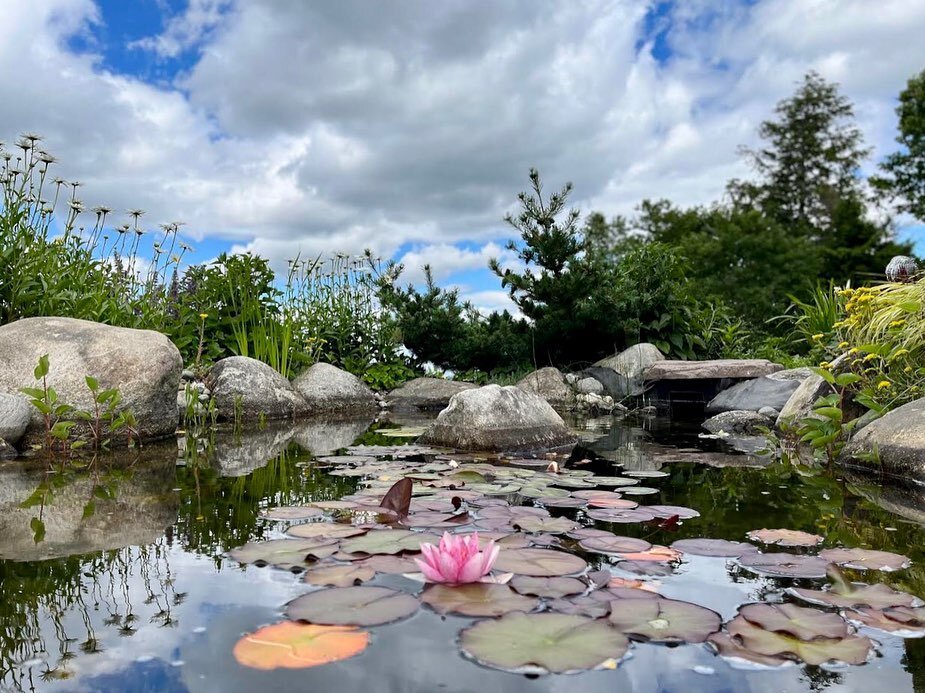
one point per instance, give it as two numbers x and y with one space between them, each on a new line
495 418
188 375
897 438
770 412
330 390
800 404
739 369
7 451
797 374
15 415
144 365
598 404
632 364
425 394
738 423
615 384
590 386
551 385
752 395
257 388
571 378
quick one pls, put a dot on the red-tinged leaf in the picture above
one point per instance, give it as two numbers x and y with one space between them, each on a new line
398 498
669 523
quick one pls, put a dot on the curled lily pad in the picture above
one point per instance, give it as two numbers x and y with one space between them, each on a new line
476 599
878 596
679 511
785 565
288 554
866 559
539 562
613 544
339 574
552 525
798 621
621 516
323 531
290 645
556 643
663 620
387 541
550 588
352 606
904 621
853 649
729 648
714 547
784 537
291 513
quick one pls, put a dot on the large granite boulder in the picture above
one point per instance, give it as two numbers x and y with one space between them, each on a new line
800 404
718 369
15 415
614 384
248 389
549 383
632 364
143 365
752 395
797 374
425 394
495 418
329 390
738 423
897 439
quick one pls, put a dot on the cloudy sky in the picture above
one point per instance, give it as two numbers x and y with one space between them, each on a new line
408 126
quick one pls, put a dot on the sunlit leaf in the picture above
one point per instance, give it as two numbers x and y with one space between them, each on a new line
289 645
866 559
352 606
663 620
784 537
786 565
339 574
539 562
850 650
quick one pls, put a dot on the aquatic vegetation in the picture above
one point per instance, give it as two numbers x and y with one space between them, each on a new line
352 606
457 560
292 645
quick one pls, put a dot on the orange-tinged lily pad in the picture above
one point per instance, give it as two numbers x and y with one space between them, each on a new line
784 537
290 645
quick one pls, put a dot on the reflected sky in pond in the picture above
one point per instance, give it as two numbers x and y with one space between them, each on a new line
150 604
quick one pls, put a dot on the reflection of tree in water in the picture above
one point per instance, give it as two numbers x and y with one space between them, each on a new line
54 611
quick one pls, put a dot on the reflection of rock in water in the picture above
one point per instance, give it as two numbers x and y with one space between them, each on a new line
326 437
907 501
240 454
144 505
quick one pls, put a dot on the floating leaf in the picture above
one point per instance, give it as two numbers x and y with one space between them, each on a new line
476 599
390 565
666 511
663 620
556 643
714 547
322 531
398 498
658 554
586 532
553 525
613 544
621 516
866 559
614 481
352 606
878 596
729 648
596 494
334 504
288 554
557 502
581 606
640 491
387 541
786 565
550 588
850 650
798 621
649 568
439 520
339 574
903 621
303 512
539 562
616 503
647 474
289 645
784 537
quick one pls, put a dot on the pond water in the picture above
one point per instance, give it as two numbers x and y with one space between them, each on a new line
129 586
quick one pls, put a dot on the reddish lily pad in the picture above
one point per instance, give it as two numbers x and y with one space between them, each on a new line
290 645
588 494
476 599
339 574
797 621
614 545
784 537
539 562
288 554
850 650
904 621
352 606
387 541
714 547
615 503
663 620
556 643
866 559
291 513
657 554
550 588
784 565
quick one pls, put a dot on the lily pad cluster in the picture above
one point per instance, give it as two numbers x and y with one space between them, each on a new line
547 607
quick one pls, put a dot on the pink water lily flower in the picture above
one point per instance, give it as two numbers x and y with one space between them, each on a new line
457 560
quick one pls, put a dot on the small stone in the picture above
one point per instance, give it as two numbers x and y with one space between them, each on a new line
15 414
187 374
589 386
770 412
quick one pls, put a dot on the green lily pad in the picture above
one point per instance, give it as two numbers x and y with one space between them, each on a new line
713 547
639 491
785 565
904 621
663 620
784 537
288 554
797 621
339 574
476 599
438 520
390 565
853 649
352 606
387 541
334 504
614 545
550 588
552 525
324 531
614 481
291 513
569 502
538 562
621 516
866 559
666 511
543 492
556 643
647 474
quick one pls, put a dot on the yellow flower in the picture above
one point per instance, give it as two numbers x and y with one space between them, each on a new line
884 384
817 337
842 345
825 365
907 369
870 357
855 350
203 316
897 323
